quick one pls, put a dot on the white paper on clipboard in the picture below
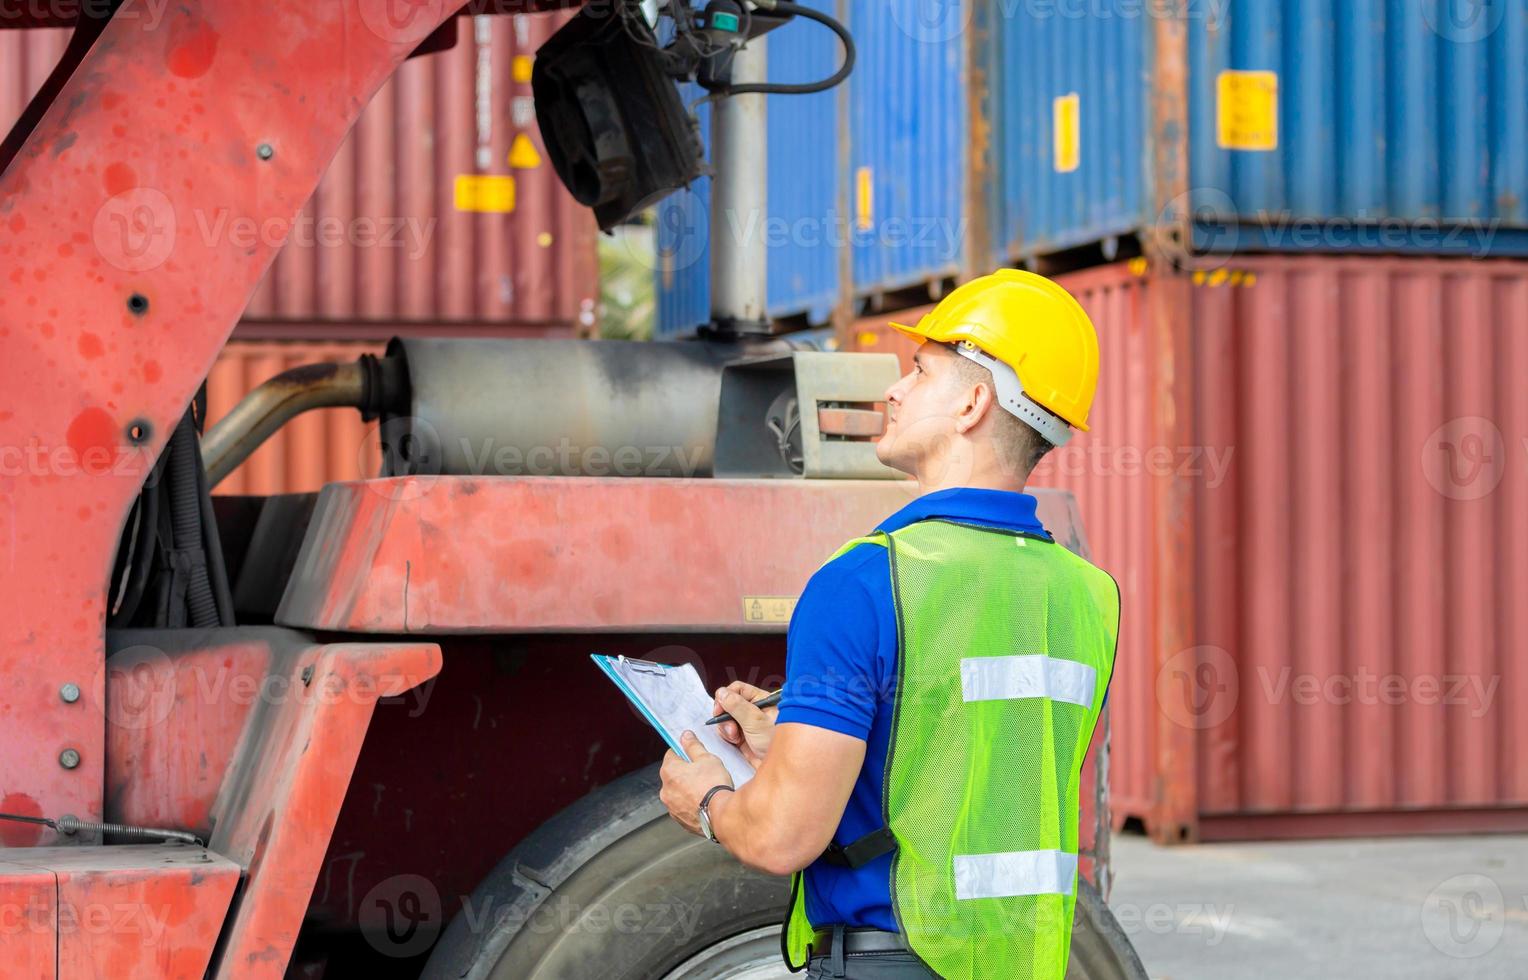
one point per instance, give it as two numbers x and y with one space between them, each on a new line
674 700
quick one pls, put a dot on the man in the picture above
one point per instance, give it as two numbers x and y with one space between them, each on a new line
943 677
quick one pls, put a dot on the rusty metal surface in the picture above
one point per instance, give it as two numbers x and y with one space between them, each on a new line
117 306
561 554
135 912
1348 449
250 735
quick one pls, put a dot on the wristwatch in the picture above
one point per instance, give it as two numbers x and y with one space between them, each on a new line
705 814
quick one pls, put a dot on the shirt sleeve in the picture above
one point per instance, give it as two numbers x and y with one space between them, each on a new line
834 674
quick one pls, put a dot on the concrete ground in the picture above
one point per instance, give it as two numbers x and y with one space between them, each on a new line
1436 907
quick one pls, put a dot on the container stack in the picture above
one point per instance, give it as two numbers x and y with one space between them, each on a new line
439 214
1302 233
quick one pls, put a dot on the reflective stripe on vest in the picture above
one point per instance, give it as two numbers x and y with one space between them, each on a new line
1033 676
1014 873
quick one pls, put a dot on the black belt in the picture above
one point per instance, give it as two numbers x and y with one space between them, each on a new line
856 940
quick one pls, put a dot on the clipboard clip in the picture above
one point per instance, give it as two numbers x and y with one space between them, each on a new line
646 666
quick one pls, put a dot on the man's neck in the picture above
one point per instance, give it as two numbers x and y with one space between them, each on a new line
948 474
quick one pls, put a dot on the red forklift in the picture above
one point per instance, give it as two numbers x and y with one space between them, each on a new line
318 734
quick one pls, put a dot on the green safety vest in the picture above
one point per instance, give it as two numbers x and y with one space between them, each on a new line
1005 649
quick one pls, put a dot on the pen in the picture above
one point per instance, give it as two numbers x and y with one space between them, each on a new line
767 701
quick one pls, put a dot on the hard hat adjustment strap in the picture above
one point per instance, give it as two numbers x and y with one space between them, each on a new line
1010 395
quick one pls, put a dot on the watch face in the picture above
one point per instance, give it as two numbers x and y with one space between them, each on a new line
705 824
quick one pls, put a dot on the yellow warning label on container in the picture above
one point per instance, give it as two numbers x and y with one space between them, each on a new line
864 198
520 68
1064 132
522 153
489 193
768 608
1247 110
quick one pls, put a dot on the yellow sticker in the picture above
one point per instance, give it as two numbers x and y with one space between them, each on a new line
522 153
768 608
869 338
1247 110
1064 132
488 193
520 68
864 198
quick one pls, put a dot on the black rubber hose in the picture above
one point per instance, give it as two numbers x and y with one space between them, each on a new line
217 571
805 88
186 522
144 548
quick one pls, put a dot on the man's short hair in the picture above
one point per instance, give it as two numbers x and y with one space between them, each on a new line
1019 447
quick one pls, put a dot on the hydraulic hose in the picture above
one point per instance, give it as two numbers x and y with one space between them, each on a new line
805 88
186 522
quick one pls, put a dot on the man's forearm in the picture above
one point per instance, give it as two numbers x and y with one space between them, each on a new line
759 830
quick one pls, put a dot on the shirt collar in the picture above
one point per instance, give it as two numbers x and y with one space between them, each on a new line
970 505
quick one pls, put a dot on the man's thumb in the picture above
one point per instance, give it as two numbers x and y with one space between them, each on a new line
692 746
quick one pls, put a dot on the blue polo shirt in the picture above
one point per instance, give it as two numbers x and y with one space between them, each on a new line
841 674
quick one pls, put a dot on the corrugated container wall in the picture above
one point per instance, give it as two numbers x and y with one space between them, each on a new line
1367 117
385 237
880 168
316 448
1308 476
450 209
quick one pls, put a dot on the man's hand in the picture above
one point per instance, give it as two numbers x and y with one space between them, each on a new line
684 783
754 728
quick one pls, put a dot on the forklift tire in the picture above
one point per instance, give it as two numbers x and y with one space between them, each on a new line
612 889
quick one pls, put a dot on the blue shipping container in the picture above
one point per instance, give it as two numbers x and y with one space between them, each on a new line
1387 125
889 184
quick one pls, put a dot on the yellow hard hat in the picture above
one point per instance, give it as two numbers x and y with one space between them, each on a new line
1033 326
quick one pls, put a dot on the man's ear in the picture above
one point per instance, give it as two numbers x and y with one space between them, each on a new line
979 399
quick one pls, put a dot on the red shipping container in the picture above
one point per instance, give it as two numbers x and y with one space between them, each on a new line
440 207
1310 477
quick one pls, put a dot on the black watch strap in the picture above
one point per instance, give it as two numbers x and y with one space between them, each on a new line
706 800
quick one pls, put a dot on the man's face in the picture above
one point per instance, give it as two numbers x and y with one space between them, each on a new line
921 409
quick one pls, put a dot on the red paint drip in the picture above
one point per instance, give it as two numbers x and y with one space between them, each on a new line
192 48
93 437
120 177
14 834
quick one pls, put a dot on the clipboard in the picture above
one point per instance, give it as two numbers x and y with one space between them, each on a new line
673 699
